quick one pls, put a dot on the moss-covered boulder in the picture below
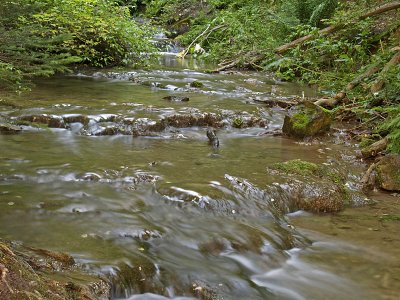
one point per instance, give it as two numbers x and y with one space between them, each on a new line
388 172
306 120
308 186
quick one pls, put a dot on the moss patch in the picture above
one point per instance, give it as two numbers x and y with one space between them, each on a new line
298 167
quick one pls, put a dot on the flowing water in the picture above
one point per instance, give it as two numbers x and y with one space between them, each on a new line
167 215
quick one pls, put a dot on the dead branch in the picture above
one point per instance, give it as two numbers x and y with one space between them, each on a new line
375 148
334 28
186 50
378 84
368 180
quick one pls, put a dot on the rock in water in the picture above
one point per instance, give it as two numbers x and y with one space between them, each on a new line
9 129
176 98
212 137
388 172
307 119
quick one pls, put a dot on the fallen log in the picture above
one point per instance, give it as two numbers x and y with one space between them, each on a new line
375 148
378 84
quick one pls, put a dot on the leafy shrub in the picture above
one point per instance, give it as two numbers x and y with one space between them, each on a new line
102 32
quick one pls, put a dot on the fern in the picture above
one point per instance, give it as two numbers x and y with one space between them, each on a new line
392 126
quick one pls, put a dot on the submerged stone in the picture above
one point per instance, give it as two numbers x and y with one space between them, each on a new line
307 120
388 172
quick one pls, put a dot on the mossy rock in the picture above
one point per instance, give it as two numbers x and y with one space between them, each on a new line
298 167
388 172
310 187
49 120
196 84
30 273
307 120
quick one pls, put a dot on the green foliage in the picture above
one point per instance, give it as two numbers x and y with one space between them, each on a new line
40 38
27 51
392 127
313 12
102 32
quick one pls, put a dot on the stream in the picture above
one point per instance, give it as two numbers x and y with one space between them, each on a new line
166 215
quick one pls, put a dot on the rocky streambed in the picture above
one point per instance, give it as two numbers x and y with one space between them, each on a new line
109 188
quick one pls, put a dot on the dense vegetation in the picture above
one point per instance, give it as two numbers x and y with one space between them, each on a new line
40 38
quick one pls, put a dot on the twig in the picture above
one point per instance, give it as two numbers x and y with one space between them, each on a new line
185 52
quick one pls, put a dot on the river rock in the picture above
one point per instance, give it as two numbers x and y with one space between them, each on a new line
176 98
51 121
308 186
306 120
388 172
196 84
43 274
9 129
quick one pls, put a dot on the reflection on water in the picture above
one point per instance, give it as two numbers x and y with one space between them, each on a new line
161 213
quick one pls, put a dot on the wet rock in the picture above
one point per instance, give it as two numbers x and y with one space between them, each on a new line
308 186
29 273
388 172
154 84
307 120
176 98
76 119
196 84
9 129
49 120
196 119
212 137
64 259
137 277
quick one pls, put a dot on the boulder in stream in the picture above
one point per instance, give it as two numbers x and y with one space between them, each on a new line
308 186
306 120
388 172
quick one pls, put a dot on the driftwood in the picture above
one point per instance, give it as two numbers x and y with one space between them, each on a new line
334 28
278 102
375 148
378 85
332 102
368 180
